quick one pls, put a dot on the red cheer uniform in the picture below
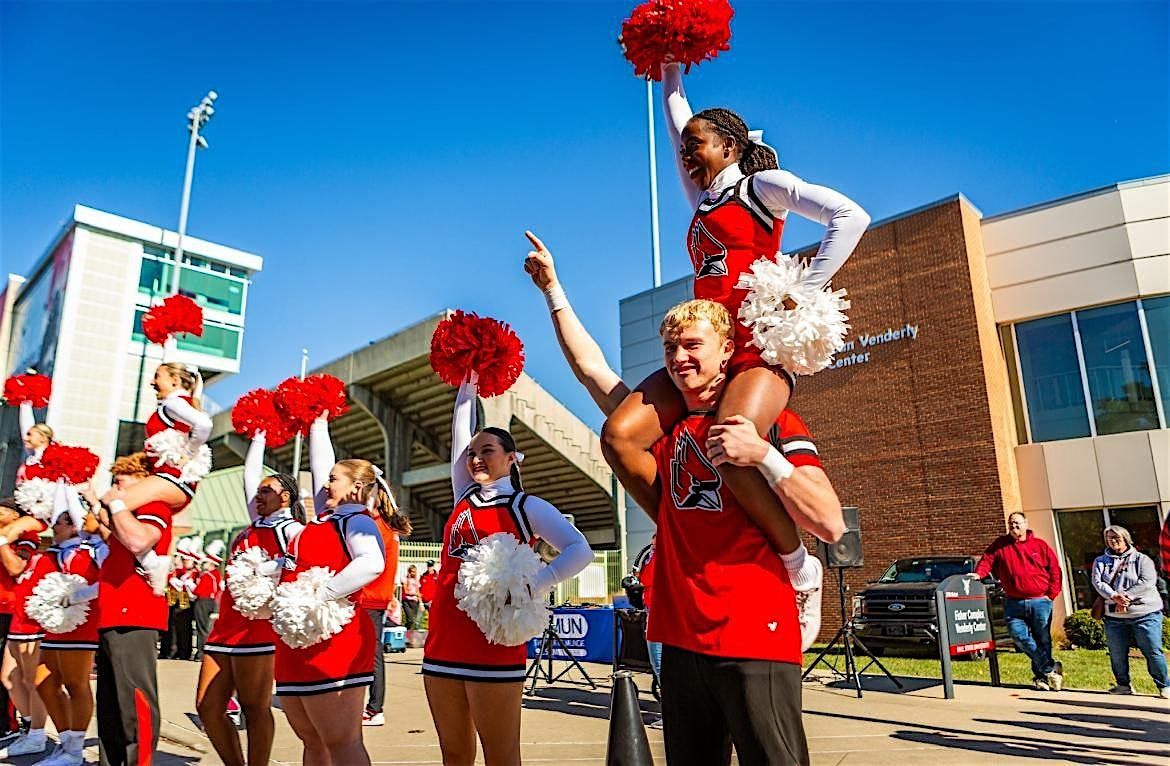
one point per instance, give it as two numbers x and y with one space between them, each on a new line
29 541
85 559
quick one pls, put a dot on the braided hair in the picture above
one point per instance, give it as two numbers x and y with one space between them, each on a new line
752 156
295 505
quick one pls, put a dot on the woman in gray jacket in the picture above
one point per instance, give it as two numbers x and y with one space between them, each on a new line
1127 579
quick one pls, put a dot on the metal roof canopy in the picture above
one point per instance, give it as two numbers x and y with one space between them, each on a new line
400 417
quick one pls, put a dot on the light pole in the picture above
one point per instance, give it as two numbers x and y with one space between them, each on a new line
196 119
655 251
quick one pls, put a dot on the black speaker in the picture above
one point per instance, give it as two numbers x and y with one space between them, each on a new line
846 552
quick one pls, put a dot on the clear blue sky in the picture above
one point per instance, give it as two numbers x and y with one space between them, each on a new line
385 158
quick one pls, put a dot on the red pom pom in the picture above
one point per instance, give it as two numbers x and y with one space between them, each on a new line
464 343
683 31
177 314
75 465
301 402
28 388
256 411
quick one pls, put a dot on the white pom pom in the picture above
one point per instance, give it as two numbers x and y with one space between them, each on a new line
173 448
801 340
252 591
495 590
35 497
302 616
51 603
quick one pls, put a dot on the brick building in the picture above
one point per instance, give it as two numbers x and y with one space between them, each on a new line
1019 362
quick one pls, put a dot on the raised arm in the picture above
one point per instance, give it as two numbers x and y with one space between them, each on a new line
550 525
180 409
843 218
321 458
678 114
580 350
462 429
367 557
27 421
254 472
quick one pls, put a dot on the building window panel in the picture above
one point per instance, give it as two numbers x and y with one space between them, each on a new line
1115 363
154 277
212 291
1052 379
1081 538
216 340
1143 526
1158 323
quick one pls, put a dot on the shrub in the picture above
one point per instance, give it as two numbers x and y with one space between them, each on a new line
1084 631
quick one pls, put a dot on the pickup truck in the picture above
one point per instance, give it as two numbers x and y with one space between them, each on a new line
897 610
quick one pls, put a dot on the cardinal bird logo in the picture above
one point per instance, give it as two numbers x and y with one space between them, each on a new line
694 482
708 255
463 536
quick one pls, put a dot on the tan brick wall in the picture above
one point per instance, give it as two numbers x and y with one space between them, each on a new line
910 436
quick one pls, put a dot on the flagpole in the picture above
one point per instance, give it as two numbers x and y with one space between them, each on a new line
656 254
297 440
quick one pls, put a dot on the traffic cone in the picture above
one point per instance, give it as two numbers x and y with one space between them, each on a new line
627 744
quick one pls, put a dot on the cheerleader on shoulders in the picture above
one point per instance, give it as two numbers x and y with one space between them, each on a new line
473 685
36 436
238 656
322 685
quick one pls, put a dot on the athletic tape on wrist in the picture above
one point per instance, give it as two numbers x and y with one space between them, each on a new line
116 506
776 467
556 299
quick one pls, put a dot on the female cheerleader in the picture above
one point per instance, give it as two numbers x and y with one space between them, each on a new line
474 686
374 600
67 658
37 436
322 686
19 538
741 202
238 656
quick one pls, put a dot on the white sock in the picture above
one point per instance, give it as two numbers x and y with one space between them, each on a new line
36 733
803 571
73 741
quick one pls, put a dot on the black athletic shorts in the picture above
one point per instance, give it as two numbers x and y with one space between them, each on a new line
710 703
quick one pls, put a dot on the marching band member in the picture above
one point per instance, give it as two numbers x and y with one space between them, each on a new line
238 655
322 685
473 686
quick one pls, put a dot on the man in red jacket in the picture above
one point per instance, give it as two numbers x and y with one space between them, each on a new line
1029 571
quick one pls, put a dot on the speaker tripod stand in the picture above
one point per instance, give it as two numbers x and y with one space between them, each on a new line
549 643
849 642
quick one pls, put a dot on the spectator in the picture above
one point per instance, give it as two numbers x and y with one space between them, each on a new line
1164 546
1127 579
428 582
646 575
1029 572
411 597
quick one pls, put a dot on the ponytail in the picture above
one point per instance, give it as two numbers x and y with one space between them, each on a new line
189 379
753 156
295 505
509 445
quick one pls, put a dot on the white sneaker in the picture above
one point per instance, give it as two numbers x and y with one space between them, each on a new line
1164 692
1055 680
25 745
1040 685
808 607
373 719
61 758
1121 689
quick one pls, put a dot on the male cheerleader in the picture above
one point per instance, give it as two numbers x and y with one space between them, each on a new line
732 638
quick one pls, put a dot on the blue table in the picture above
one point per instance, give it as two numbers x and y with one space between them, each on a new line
587 632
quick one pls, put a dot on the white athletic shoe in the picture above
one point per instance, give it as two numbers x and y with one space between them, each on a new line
1055 681
1164 692
808 607
25 745
61 758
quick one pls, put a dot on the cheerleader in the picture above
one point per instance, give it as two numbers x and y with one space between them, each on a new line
19 539
176 386
238 655
67 657
322 686
374 600
37 436
473 686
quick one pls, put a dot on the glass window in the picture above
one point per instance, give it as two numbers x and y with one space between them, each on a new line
1008 344
1052 379
1081 537
154 278
1158 323
216 340
1143 526
213 291
1115 362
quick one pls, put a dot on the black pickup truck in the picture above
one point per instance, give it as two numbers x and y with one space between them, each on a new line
897 610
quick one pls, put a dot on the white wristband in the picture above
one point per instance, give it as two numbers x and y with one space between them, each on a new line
556 299
775 467
116 506
3 541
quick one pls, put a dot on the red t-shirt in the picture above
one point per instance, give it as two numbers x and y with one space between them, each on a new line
125 599
428 584
208 585
29 541
719 587
377 594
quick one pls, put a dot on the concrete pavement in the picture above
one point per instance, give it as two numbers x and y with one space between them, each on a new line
567 723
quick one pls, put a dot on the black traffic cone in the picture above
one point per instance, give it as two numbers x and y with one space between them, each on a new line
627 744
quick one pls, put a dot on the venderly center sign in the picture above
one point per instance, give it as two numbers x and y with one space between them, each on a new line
859 349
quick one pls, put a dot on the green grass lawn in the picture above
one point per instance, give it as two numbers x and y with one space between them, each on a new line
1086 669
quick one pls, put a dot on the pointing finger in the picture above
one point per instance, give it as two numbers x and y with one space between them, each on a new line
535 240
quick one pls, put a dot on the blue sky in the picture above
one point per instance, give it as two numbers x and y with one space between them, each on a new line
385 158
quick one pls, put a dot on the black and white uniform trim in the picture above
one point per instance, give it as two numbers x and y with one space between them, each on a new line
302 690
742 192
463 671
